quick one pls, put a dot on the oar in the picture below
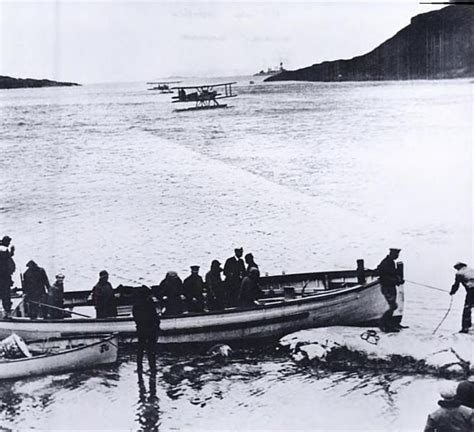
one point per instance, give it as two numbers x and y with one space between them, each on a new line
58 308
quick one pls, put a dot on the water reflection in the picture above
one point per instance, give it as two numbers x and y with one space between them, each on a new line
148 408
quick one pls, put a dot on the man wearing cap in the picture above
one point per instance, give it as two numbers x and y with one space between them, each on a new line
465 276
7 268
215 287
451 416
193 287
103 297
234 271
389 279
56 297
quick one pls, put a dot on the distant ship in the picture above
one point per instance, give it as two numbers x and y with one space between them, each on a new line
271 71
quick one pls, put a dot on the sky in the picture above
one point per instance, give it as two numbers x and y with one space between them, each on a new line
121 41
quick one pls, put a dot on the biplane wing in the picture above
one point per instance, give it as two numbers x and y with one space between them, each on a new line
205 96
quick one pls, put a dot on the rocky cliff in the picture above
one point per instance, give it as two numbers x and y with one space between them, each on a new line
7 82
437 44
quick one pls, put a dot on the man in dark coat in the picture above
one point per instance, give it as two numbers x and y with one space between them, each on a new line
465 392
249 289
389 279
451 416
465 277
7 268
103 297
215 287
234 271
35 287
147 322
169 293
193 287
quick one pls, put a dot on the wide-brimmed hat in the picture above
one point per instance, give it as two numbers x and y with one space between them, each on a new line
395 250
60 276
459 265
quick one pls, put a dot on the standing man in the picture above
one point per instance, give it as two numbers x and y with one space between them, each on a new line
215 287
389 279
147 322
234 271
103 297
7 268
193 288
465 276
35 287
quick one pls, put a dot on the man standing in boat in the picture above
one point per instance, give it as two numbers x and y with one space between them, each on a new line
249 289
103 297
465 276
35 287
215 287
390 279
7 268
234 271
193 288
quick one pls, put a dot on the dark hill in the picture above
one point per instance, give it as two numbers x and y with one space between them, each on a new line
7 82
437 44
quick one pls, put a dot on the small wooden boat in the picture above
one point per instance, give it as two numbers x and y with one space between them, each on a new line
60 355
293 302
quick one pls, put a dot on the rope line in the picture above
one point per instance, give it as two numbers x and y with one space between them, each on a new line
445 315
427 286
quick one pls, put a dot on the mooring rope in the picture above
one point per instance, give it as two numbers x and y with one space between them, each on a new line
436 289
445 315
427 286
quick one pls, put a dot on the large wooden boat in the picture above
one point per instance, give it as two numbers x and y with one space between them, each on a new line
293 302
61 355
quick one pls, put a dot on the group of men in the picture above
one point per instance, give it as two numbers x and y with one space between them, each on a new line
456 409
239 288
390 278
40 297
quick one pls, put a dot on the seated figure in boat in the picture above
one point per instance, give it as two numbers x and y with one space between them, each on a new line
249 260
35 286
169 293
103 297
215 287
193 288
56 298
182 95
249 289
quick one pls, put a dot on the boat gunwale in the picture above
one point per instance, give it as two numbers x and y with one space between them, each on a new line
280 304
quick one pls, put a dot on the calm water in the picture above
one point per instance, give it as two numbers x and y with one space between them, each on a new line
306 176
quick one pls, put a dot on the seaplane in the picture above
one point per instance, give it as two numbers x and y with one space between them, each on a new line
203 96
162 86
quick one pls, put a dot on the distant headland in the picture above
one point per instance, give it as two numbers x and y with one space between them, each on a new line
7 82
435 45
